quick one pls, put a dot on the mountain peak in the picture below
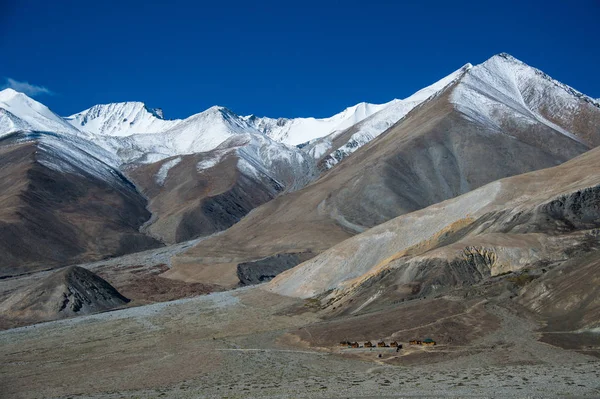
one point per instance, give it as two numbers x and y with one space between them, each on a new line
157 112
505 64
121 119
217 108
8 92
24 111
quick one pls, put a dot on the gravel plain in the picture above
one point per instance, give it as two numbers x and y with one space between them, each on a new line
236 344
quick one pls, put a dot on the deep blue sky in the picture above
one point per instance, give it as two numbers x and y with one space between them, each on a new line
281 58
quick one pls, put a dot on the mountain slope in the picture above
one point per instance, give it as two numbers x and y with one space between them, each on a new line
333 148
63 205
71 291
436 152
301 130
200 194
198 133
528 93
513 223
20 112
121 119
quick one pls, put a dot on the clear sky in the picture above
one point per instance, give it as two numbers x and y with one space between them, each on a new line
279 58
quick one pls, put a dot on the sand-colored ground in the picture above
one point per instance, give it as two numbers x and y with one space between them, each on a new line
246 343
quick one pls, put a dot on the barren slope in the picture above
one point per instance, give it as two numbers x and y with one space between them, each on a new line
190 204
62 206
441 149
541 227
71 291
201 194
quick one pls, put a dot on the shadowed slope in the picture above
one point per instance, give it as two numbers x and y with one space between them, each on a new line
445 147
527 225
62 206
68 292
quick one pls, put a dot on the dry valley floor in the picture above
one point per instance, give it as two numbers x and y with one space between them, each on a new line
251 343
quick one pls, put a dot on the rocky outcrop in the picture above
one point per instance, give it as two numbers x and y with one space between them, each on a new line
536 220
68 292
263 270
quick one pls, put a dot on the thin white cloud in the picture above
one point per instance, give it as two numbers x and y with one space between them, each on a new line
25 87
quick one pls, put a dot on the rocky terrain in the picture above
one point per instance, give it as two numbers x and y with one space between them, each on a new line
539 218
68 292
250 343
228 256
466 135
51 218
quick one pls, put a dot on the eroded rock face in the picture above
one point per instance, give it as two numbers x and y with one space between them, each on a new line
65 293
568 296
579 210
264 270
508 230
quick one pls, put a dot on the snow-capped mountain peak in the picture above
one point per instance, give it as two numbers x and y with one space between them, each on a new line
25 113
301 130
121 119
377 123
503 86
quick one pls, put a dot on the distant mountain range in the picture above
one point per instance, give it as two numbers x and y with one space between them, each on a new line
392 189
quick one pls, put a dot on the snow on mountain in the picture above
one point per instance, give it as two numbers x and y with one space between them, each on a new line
206 130
71 154
489 93
21 112
261 157
136 133
18 112
379 122
301 130
9 122
163 172
503 86
121 119
198 133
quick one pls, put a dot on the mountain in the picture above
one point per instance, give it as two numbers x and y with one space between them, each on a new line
301 130
541 218
20 112
71 291
200 194
216 192
139 135
120 119
62 204
331 149
135 179
201 132
490 123
530 94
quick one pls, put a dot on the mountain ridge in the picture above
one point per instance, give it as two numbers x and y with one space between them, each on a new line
436 152
475 125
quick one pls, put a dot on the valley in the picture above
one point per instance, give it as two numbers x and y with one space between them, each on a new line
251 343
224 255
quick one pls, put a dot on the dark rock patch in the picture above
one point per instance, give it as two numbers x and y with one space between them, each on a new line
68 292
263 270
